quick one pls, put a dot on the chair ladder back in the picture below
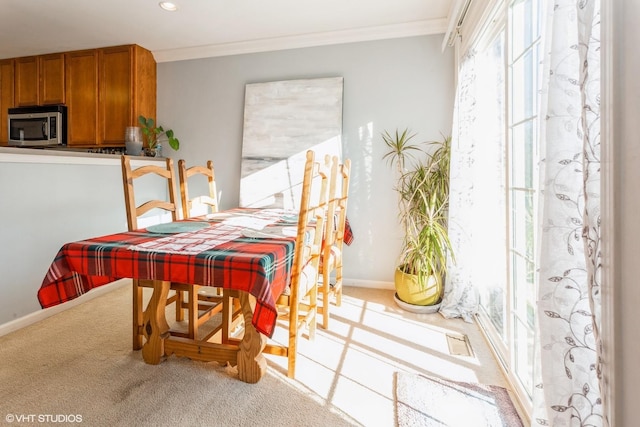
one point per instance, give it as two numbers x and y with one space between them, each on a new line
210 199
333 244
311 218
129 175
341 202
332 206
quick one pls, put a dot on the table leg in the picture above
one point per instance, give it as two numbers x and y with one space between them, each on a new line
252 364
155 326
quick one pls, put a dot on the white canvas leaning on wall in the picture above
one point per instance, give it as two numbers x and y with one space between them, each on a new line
282 120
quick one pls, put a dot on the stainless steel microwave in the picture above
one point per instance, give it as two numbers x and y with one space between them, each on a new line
38 126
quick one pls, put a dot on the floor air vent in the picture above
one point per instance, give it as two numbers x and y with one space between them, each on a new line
459 345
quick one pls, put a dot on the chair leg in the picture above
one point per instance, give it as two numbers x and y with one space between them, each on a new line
228 308
192 311
179 307
137 315
293 348
326 292
339 286
313 312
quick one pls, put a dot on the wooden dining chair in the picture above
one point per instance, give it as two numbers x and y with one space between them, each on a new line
206 298
299 302
331 260
135 211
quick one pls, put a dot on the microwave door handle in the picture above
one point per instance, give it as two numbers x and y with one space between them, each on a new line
44 128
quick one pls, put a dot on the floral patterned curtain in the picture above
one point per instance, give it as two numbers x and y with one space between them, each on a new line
568 346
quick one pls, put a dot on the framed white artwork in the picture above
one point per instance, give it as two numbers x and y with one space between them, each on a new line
282 120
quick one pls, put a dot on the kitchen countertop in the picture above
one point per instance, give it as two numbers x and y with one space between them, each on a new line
61 155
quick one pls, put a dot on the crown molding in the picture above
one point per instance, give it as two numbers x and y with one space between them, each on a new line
409 29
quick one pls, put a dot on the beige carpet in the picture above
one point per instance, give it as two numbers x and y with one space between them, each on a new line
80 362
432 402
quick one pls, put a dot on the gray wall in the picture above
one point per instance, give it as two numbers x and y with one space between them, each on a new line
44 206
49 199
388 84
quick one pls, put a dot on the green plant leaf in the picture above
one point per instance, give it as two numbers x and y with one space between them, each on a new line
400 148
153 133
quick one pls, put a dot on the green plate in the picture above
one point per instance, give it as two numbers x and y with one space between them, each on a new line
178 227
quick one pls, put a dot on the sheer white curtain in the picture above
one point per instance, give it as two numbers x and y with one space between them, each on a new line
477 196
460 296
568 365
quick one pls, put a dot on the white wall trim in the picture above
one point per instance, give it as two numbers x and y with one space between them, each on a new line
37 316
409 29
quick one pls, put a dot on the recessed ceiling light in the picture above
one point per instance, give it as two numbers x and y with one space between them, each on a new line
167 5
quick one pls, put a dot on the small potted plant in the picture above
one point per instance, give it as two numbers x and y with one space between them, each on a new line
154 135
423 196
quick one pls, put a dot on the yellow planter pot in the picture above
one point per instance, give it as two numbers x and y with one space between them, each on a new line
410 291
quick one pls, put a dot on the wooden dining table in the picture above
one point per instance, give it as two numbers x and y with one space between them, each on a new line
245 250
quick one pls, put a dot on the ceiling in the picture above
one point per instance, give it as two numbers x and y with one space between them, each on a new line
202 28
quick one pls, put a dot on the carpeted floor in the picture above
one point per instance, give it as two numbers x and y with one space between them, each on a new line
423 401
80 362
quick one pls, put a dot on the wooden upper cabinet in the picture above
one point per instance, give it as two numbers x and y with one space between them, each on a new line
27 78
39 80
52 79
105 90
127 89
116 87
144 86
6 96
81 83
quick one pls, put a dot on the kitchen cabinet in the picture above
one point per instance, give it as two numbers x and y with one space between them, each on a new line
26 81
81 85
52 84
127 89
39 80
6 96
105 90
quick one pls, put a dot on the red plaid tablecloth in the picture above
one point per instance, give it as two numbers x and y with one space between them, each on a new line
261 267
348 233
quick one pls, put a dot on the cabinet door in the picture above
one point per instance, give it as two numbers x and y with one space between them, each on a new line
26 81
144 84
6 96
116 89
52 79
81 84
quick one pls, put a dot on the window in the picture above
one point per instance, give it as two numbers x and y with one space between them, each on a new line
511 60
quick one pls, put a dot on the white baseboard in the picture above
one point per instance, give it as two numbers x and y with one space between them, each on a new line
368 284
37 316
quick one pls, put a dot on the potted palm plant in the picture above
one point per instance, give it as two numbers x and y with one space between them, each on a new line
154 135
423 196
